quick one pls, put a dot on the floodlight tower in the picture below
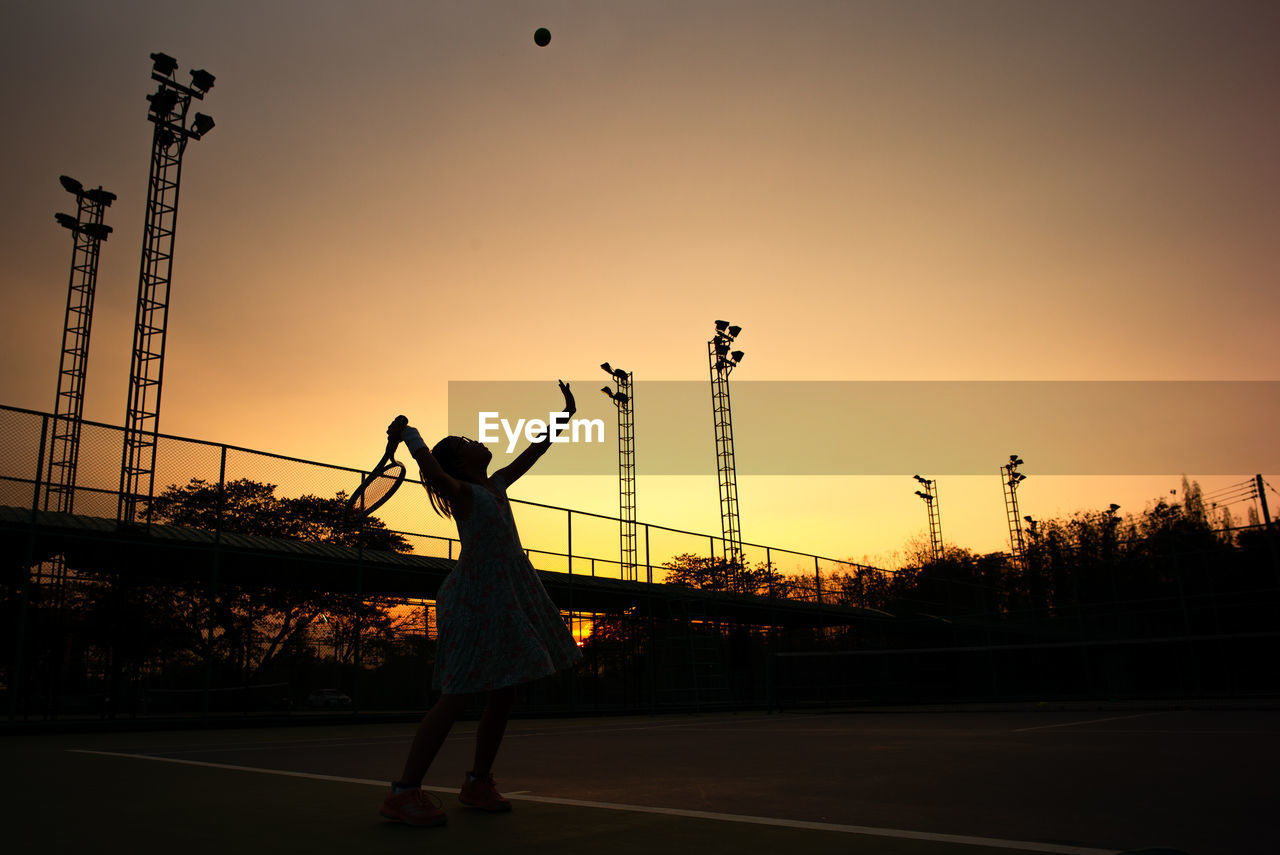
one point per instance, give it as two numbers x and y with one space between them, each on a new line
170 104
930 495
623 397
1010 477
88 233
722 362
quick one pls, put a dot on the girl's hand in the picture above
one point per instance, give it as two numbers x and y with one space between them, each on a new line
570 406
397 427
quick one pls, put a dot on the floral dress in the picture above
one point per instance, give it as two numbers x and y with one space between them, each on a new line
497 626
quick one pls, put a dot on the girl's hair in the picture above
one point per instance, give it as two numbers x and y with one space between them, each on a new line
446 454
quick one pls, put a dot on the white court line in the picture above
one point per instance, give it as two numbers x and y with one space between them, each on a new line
1056 849
390 739
256 744
207 765
281 746
1090 721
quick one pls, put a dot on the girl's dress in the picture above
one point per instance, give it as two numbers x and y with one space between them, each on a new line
497 626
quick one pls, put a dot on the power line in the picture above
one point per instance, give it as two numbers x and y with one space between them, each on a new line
1241 494
1231 500
1228 488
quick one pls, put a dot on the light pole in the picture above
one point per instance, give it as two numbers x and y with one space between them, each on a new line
722 362
88 232
170 104
623 397
1010 477
930 495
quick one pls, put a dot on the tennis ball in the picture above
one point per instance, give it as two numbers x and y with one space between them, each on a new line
542 37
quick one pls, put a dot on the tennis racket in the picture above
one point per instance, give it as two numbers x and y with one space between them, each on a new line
380 484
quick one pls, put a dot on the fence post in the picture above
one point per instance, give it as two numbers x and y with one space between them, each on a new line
211 607
35 492
16 687
648 560
211 589
817 579
570 549
222 494
768 564
357 655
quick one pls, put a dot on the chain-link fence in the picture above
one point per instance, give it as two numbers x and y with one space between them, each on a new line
101 625
237 591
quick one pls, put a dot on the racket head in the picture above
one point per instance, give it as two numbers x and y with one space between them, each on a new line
376 489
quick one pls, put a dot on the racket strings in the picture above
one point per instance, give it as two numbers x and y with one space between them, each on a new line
376 488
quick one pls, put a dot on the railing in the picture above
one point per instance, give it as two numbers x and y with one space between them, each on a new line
90 642
556 538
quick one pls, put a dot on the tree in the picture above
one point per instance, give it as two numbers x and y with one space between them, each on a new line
864 587
250 626
252 507
688 570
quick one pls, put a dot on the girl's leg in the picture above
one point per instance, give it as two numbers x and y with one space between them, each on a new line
431 734
493 724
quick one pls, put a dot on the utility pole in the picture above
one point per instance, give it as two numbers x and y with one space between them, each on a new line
1260 486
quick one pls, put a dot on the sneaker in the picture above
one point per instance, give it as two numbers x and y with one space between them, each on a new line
414 807
482 793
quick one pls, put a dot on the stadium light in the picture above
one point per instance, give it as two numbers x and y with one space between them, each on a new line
201 125
201 81
101 197
722 362
621 397
1012 478
163 64
162 102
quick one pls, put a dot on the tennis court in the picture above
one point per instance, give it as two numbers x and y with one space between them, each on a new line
1083 780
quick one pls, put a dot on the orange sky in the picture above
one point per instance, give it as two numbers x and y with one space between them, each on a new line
399 195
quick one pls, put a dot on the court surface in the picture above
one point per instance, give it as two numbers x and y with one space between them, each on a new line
1084 780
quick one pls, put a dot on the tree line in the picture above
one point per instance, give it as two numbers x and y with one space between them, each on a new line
1171 551
1169 569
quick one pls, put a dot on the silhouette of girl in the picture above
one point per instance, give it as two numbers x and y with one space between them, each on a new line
497 626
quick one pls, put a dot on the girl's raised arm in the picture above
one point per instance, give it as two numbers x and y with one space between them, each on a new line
530 455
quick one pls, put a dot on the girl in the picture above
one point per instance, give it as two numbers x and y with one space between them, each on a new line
497 626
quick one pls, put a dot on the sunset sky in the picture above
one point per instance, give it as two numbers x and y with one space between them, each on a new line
398 195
